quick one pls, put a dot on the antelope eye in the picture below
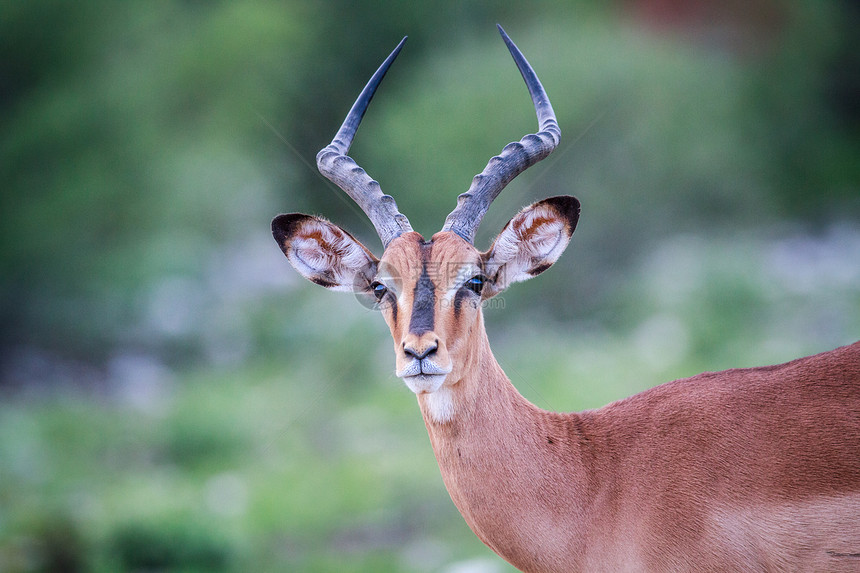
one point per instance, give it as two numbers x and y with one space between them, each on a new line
476 283
379 290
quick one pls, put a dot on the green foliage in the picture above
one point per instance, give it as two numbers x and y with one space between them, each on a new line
136 160
128 486
171 546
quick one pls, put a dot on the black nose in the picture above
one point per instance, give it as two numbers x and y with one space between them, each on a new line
420 353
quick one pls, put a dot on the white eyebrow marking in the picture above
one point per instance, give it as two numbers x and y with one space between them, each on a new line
458 279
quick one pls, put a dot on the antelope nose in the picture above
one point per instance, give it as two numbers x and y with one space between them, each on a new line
422 352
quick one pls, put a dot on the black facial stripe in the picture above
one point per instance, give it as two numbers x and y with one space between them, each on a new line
423 301
458 300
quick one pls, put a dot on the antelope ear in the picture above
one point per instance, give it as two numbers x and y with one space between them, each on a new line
324 253
530 243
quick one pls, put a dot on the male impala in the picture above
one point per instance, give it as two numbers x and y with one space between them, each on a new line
742 470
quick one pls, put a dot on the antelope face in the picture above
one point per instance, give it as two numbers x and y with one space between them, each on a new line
430 295
430 292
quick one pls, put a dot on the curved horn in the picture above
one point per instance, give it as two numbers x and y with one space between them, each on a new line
515 158
343 171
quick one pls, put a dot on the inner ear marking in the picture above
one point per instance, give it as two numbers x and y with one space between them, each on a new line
539 269
549 252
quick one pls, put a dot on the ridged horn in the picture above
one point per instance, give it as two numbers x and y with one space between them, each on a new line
334 163
515 158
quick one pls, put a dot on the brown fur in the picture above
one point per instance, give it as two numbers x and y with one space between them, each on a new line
742 470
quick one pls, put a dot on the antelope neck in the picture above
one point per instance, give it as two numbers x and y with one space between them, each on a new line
510 467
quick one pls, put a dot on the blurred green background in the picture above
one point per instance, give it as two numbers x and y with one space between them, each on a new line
174 397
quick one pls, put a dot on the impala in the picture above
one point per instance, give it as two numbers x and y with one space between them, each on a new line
741 470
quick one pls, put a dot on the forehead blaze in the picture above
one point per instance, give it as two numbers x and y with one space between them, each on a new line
423 297
429 273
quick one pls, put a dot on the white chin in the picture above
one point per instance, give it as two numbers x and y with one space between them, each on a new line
424 383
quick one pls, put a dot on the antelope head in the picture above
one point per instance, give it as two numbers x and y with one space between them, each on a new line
431 292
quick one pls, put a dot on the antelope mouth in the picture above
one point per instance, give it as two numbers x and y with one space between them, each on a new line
424 383
423 376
